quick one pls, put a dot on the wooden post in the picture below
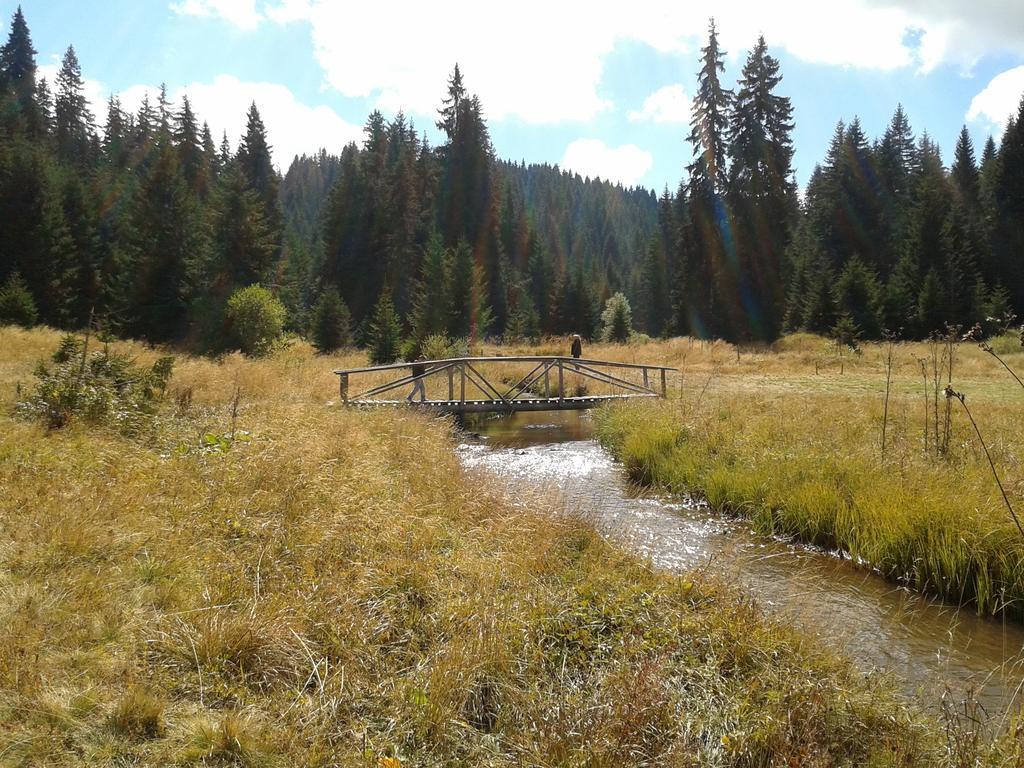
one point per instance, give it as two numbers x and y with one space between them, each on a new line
463 395
343 386
646 384
547 383
561 383
451 384
664 387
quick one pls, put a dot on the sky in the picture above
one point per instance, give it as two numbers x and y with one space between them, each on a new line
601 88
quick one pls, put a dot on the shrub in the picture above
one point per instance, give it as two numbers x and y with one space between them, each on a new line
385 332
255 319
617 320
99 388
330 326
16 304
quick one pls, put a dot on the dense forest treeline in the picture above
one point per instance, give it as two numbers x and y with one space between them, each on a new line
884 239
149 227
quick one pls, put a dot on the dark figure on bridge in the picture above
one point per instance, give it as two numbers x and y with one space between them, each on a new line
577 345
418 370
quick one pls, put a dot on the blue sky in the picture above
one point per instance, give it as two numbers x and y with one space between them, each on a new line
599 87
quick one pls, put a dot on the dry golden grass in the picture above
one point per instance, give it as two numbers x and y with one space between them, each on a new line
333 590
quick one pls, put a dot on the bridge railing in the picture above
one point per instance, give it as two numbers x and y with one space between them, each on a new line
502 383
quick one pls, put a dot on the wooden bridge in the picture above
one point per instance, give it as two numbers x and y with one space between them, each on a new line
503 384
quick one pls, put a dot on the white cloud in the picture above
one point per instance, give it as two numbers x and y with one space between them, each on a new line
293 128
592 157
666 105
542 61
241 13
999 100
952 31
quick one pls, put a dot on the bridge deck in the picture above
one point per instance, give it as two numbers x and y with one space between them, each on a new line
496 406
503 384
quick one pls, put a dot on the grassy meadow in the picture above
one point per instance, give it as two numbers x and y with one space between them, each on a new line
263 579
791 437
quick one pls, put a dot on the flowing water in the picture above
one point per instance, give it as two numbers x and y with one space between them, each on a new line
928 645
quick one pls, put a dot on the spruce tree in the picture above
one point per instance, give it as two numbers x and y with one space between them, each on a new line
242 245
964 173
617 320
857 295
762 196
431 299
710 121
17 306
191 157
469 315
706 248
385 332
164 239
452 103
256 165
330 325
73 122
115 135
18 73
931 312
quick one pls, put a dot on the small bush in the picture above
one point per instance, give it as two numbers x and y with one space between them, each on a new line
101 387
16 304
137 714
330 326
255 319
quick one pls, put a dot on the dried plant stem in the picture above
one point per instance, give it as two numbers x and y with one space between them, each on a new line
888 387
1006 499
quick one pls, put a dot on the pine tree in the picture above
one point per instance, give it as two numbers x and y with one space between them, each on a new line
452 103
73 121
164 240
899 303
762 194
18 73
385 332
330 326
964 173
16 304
255 163
115 135
242 245
857 295
710 122
896 161
191 157
1008 231
655 298
469 315
431 299
931 315
617 320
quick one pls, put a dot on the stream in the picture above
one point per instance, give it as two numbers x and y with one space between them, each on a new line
928 645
